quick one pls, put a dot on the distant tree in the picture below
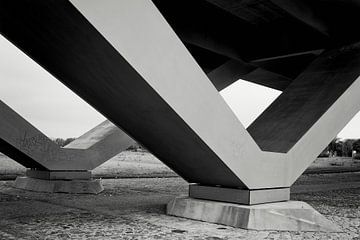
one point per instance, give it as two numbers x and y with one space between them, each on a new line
59 141
67 141
325 153
347 147
136 147
63 142
339 148
333 146
356 145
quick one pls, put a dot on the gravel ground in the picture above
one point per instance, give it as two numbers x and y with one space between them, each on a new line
135 209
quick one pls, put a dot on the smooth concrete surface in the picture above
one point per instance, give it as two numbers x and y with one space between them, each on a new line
283 216
58 175
28 146
59 186
306 99
266 29
239 196
128 60
189 154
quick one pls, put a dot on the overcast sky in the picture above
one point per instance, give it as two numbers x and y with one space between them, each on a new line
57 112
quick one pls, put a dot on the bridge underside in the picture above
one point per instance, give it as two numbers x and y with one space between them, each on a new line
155 69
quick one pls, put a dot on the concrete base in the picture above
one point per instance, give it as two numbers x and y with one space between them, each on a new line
59 186
58 175
283 216
239 196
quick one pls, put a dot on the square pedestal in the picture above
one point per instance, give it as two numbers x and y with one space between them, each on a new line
59 175
59 186
241 196
281 216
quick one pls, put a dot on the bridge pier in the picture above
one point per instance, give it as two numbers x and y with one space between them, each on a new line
59 182
134 61
58 169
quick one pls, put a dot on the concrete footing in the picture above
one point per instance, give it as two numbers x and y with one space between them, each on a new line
239 196
58 175
281 216
59 186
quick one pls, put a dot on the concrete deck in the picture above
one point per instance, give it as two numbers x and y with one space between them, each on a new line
135 209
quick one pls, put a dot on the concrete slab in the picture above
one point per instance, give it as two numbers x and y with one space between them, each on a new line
240 196
135 209
59 186
281 216
59 175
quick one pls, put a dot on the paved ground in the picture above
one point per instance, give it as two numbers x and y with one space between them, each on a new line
134 209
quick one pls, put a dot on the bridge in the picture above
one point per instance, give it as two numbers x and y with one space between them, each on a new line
155 69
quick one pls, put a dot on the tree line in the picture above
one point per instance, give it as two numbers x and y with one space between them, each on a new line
342 148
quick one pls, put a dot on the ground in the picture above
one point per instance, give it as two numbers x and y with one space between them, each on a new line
134 208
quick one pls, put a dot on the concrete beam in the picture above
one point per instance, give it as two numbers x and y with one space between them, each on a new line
165 101
320 16
154 119
125 60
307 99
30 147
266 29
58 169
233 70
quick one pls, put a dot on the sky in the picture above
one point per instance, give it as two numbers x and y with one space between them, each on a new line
56 111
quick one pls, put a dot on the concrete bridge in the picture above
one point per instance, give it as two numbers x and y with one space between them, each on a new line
155 69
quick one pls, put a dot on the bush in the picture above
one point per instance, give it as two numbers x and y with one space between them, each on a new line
356 145
63 142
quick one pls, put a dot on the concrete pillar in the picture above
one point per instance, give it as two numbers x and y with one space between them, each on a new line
124 59
56 169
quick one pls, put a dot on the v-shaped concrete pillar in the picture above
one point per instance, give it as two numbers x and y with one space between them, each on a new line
124 59
46 160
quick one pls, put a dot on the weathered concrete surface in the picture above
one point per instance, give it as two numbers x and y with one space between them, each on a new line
281 216
192 116
240 196
30 147
27 145
135 209
59 186
58 175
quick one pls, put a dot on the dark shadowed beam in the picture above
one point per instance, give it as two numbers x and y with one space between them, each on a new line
226 34
223 71
263 11
206 59
234 70
18 156
289 65
305 101
337 19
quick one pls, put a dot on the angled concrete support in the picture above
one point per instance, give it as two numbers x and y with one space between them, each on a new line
233 70
56 169
124 59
